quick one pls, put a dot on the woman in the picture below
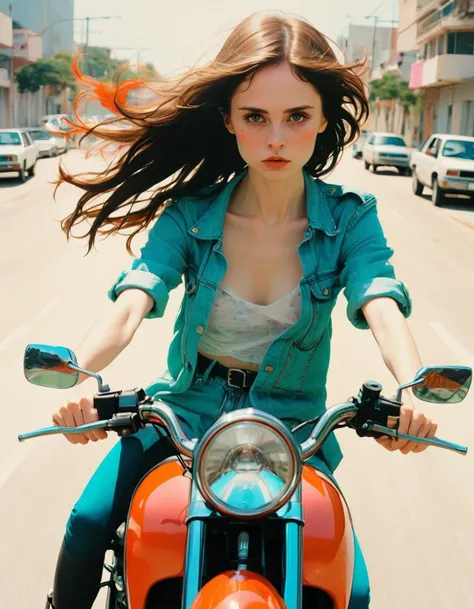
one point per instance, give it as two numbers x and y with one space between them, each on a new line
264 247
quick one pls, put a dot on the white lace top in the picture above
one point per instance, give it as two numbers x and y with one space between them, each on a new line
244 330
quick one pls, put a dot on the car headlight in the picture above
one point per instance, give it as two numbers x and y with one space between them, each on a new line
247 465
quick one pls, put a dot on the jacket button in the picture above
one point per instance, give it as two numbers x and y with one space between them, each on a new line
332 191
200 330
195 230
268 368
325 291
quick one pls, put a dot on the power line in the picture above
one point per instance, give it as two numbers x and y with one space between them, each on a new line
378 8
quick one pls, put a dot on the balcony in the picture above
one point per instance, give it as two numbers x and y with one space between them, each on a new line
27 47
6 35
441 70
447 18
425 7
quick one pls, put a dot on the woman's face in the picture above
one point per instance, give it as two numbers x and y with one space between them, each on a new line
276 115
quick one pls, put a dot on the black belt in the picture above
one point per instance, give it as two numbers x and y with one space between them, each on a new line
235 377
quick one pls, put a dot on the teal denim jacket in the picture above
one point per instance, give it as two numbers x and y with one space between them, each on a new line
343 248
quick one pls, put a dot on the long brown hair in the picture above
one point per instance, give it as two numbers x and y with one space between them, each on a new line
183 140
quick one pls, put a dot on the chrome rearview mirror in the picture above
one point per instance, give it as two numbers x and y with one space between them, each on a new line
55 367
441 384
50 366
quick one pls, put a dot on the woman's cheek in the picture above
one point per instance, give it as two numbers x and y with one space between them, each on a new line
308 137
248 139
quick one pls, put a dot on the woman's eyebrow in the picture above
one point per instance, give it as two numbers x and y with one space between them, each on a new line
289 110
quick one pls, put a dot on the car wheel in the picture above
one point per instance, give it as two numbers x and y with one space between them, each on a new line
53 152
404 171
416 185
437 196
366 165
374 168
32 169
22 174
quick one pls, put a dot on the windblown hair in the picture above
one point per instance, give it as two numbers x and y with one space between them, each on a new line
181 145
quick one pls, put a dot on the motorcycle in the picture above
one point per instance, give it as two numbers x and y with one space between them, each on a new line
237 520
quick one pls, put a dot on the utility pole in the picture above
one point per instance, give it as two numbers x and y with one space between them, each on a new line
86 45
374 38
137 49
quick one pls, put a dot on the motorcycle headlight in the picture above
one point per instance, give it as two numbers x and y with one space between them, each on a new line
249 467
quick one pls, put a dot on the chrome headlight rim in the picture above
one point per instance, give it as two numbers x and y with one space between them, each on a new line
248 415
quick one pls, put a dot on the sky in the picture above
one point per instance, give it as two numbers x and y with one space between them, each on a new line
174 34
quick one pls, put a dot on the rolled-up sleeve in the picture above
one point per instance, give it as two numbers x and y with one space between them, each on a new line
161 264
367 272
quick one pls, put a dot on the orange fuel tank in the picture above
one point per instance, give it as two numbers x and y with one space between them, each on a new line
155 538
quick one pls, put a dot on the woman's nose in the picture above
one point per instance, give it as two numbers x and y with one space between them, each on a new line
276 139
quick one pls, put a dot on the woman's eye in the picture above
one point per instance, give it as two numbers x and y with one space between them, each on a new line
254 118
298 117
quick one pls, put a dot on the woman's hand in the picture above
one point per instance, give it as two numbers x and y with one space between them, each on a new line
413 423
76 413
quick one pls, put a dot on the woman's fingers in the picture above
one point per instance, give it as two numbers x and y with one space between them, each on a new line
76 413
91 416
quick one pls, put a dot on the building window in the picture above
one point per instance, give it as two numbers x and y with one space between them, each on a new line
467 118
461 43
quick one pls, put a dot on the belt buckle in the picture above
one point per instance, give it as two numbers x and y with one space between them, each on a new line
229 378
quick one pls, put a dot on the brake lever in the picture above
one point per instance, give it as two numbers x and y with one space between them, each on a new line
393 433
118 423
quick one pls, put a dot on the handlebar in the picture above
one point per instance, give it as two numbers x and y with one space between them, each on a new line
326 424
164 416
160 414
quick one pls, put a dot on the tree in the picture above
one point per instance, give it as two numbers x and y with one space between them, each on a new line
55 72
407 99
98 64
392 87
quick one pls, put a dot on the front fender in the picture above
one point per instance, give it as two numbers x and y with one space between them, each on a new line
238 590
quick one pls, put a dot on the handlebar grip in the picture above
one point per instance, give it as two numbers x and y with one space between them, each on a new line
111 403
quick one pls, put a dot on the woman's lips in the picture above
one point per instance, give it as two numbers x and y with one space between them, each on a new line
275 163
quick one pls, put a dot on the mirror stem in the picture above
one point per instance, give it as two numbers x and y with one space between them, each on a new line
102 387
407 386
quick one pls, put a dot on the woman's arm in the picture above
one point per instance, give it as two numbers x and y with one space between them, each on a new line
400 354
114 330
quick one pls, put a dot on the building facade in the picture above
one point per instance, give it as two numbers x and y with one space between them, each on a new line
6 42
362 39
51 19
442 32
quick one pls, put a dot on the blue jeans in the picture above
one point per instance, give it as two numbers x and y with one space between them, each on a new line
105 501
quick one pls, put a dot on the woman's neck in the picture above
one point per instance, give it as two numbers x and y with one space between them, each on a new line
272 202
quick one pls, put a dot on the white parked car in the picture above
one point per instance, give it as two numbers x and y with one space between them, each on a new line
57 122
386 149
18 152
48 144
445 164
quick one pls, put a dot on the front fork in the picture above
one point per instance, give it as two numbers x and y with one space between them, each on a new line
291 513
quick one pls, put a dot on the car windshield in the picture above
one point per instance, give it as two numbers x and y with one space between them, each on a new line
388 140
459 149
40 135
10 138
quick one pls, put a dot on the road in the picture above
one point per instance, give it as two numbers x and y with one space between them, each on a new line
413 514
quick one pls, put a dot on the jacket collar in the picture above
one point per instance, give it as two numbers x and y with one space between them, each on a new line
211 224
